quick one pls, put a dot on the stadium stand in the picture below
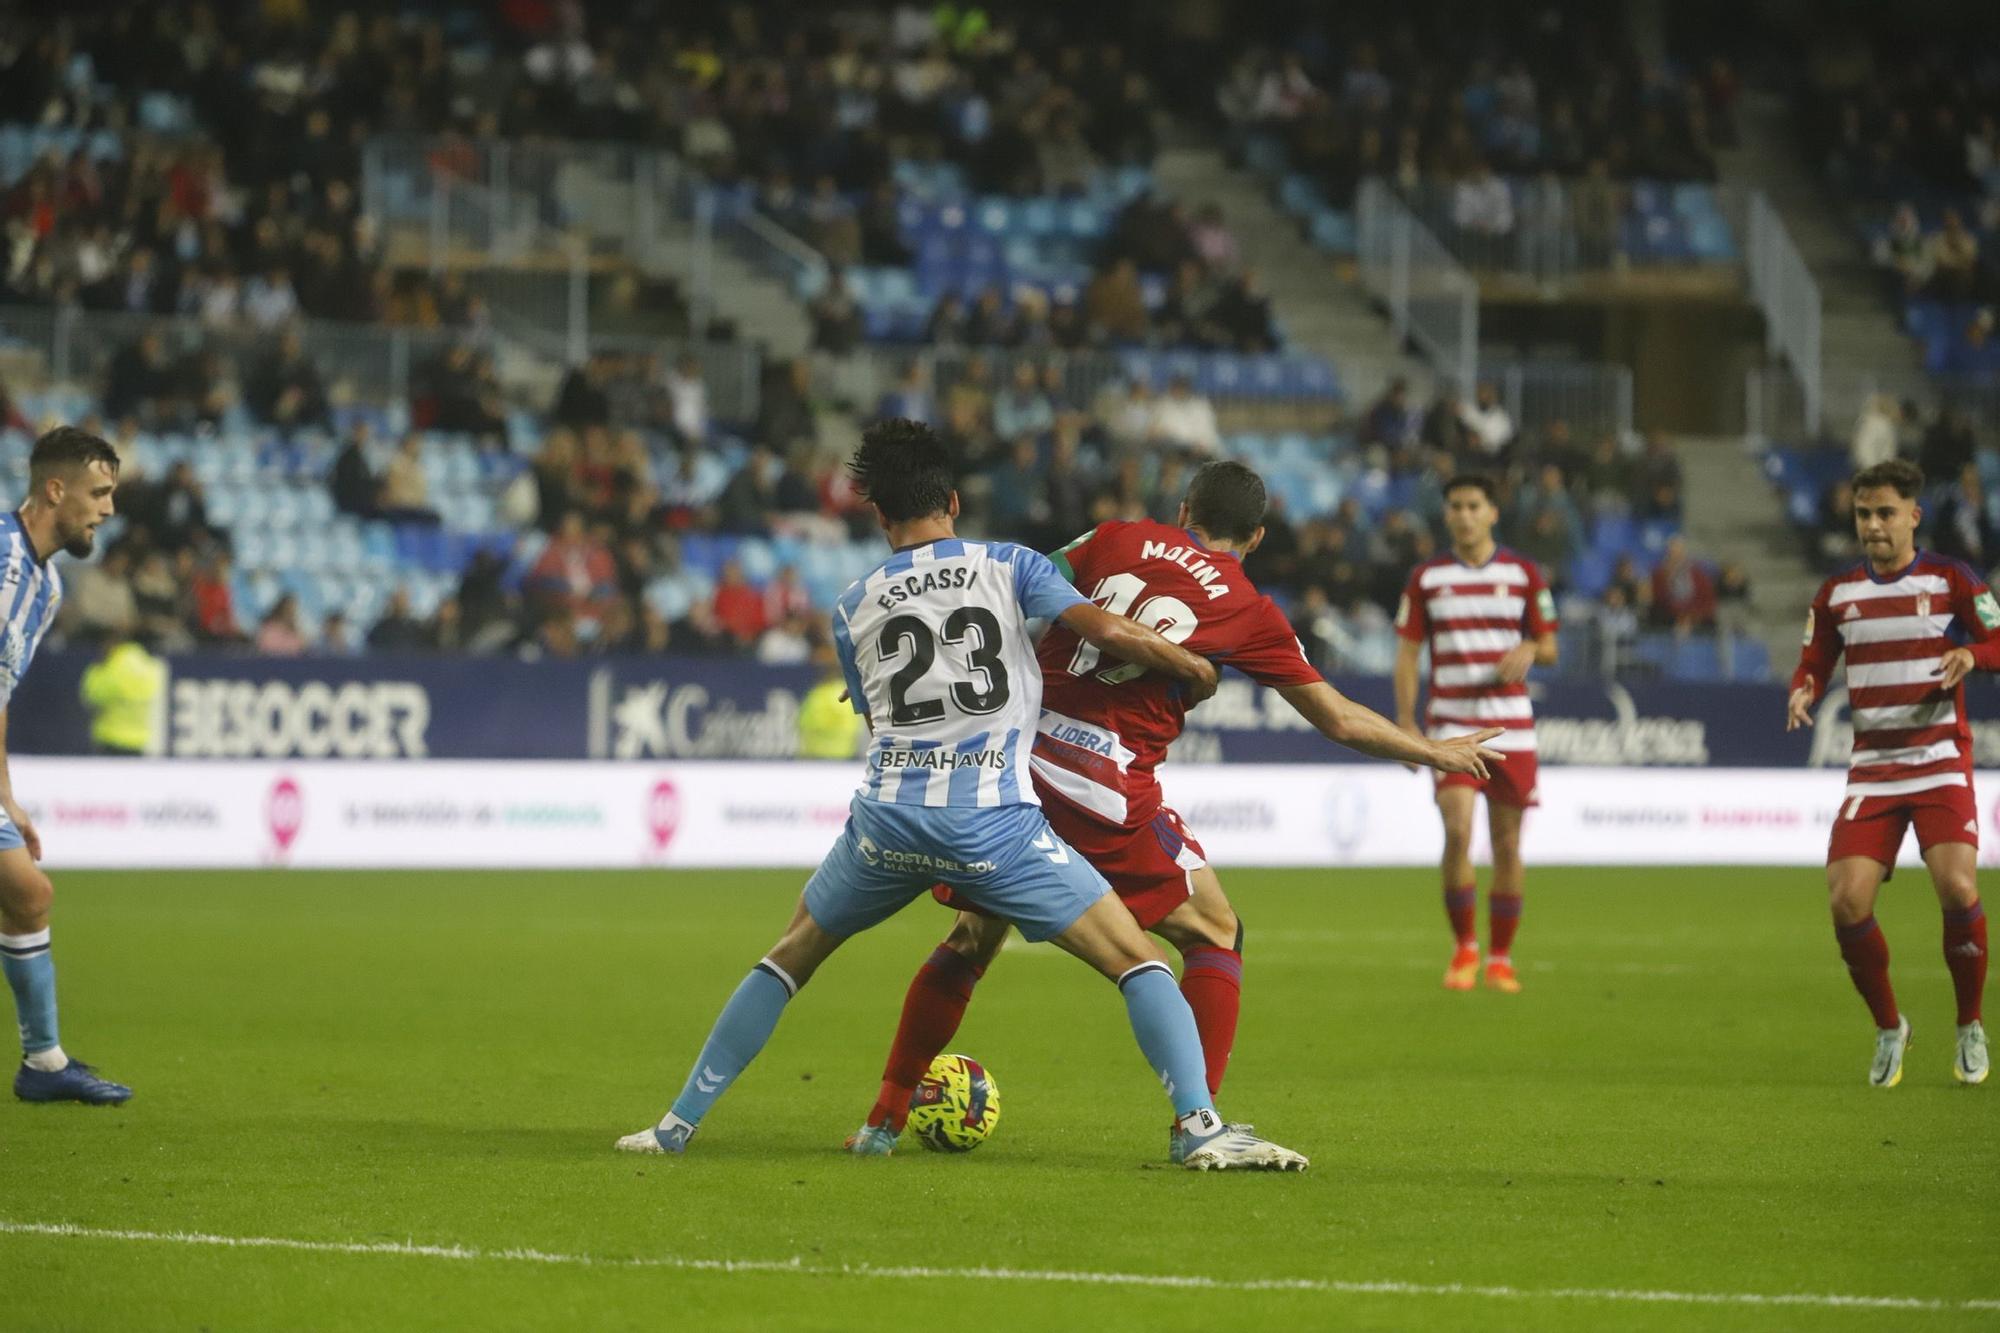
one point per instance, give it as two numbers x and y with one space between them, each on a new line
1505 141
268 488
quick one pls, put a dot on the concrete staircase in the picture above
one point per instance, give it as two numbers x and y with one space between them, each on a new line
1730 517
1322 313
1860 340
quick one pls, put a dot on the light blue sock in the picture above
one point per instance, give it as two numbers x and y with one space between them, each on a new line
740 1032
31 974
1164 1025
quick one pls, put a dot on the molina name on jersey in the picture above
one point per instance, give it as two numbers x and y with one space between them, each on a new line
936 651
1910 733
1471 616
1106 725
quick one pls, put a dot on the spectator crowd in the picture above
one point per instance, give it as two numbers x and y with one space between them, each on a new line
1427 95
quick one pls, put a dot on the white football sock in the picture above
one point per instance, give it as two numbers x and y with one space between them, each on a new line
47 1061
1201 1124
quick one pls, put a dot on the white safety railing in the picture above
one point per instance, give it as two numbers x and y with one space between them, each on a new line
1782 286
1432 300
544 207
1775 411
1593 398
1554 233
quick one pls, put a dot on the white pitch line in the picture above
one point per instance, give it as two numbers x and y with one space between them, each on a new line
914 1272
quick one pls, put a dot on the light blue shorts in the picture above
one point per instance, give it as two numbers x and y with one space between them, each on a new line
10 836
1006 859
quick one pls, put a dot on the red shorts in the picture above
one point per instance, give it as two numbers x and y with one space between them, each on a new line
1873 826
1512 782
1149 867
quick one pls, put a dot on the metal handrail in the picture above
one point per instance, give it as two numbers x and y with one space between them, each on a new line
1783 288
1432 299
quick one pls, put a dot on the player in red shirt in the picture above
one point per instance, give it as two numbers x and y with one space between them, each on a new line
1486 615
1912 625
1106 726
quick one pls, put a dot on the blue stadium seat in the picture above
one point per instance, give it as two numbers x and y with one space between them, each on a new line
1696 658
1590 572
1335 231
1614 534
1752 658
1298 195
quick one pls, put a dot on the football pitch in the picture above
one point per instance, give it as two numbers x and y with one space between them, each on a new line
388 1100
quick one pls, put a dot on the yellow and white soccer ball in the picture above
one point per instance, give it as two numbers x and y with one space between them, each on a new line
956 1106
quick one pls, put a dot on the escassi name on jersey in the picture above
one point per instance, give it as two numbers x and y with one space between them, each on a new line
940 759
916 585
1190 559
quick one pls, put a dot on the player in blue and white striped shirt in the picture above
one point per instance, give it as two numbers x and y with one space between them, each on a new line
71 475
937 653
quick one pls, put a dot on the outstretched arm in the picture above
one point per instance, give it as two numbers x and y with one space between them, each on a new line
1358 727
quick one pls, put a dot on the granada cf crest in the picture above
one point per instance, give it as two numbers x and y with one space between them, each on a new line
1923 604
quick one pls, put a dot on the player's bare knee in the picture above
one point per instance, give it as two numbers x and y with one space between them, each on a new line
1218 927
24 902
1956 890
804 946
1107 938
1850 897
975 938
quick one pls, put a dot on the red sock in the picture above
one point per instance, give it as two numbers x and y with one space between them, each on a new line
1503 918
1212 982
1965 955
931 1012
1462 906
1867 955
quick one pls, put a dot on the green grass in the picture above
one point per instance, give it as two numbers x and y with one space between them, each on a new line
1675 1102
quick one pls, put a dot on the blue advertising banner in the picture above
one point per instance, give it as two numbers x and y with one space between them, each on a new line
224 707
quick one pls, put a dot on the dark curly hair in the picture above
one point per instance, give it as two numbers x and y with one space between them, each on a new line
904 470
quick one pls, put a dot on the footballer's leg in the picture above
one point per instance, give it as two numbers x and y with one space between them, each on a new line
740 1031
1954 873
46 1073
1050 892
851 891
1107 938
1852 885
1206 931
1503 899
1461 890
932 1010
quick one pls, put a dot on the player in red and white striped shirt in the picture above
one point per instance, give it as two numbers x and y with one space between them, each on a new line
1912 624
1486 615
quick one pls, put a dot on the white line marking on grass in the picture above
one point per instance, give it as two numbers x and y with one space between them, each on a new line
1172 1281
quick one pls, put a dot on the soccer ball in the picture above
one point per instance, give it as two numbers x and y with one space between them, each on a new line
956 1106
